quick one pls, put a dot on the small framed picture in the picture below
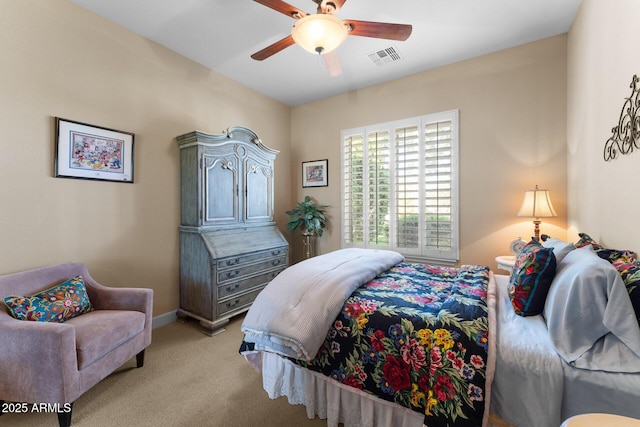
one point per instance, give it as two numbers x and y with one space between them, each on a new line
91 152
315 173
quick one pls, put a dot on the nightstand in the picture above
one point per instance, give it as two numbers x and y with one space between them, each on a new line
506 262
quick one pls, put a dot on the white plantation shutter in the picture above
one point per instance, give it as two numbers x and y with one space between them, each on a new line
400 187
408 200
353 195
378 164
438 174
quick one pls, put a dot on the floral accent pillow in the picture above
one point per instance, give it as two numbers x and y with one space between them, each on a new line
629 270
57 304
585 240
610 255
533 272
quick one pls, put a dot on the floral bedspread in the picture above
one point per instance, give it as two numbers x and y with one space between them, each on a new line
416 335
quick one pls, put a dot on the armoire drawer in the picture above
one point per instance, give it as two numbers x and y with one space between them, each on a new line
240 260
241 271
238 302
228 289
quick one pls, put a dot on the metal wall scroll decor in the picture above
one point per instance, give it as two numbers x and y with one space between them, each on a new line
626 134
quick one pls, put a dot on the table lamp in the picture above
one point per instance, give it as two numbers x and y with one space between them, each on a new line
537 204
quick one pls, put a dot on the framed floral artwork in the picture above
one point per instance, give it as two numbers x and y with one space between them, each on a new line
315 173
91 152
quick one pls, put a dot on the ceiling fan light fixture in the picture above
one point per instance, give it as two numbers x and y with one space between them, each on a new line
319 33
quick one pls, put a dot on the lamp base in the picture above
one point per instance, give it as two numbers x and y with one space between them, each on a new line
536 229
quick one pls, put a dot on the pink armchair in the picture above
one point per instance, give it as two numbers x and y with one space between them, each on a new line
55 363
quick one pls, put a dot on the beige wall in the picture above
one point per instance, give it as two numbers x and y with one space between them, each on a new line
512 136
60 60
603 57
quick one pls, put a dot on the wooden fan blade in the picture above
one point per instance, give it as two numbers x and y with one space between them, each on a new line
333 63
331 6
273 48
283 7
381 30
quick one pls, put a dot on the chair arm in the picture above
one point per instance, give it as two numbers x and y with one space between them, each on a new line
38 361
108 298
134 299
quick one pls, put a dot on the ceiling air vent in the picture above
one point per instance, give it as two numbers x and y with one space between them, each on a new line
385 56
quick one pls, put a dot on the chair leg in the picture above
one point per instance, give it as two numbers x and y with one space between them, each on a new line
64 418
140 359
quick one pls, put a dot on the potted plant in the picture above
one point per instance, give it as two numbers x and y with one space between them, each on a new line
308 216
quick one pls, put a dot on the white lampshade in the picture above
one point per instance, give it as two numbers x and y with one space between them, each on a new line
319 33
537 204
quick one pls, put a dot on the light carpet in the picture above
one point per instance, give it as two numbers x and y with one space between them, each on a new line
188 379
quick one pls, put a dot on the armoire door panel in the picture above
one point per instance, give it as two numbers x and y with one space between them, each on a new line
221 189
259 197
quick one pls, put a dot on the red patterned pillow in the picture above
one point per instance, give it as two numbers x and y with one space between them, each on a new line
531 278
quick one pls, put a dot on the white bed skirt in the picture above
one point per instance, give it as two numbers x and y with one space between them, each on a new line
330 400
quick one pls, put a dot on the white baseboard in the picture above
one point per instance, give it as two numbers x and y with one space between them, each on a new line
164 319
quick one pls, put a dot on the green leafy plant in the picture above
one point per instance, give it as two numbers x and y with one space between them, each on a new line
308 216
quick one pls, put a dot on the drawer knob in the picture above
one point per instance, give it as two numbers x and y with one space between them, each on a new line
274 253
232 262
233 287
275 262
233 273
232 303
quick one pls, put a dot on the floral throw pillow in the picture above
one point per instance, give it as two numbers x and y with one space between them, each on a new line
533 272
608 254
57 304
629 270
585 240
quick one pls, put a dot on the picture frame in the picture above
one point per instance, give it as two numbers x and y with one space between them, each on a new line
86 151
315 173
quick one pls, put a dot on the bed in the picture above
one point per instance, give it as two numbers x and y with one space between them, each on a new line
523 374
581 354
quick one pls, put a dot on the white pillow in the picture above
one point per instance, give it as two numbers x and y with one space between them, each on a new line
560 248
589 315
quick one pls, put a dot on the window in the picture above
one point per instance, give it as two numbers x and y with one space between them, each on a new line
400 187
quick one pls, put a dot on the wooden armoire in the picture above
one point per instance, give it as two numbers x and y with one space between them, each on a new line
230 247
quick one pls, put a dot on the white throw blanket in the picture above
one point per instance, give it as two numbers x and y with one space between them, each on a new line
292 315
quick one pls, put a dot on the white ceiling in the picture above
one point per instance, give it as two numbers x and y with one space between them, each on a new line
222 34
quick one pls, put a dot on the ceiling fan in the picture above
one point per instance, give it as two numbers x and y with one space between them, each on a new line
323 32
